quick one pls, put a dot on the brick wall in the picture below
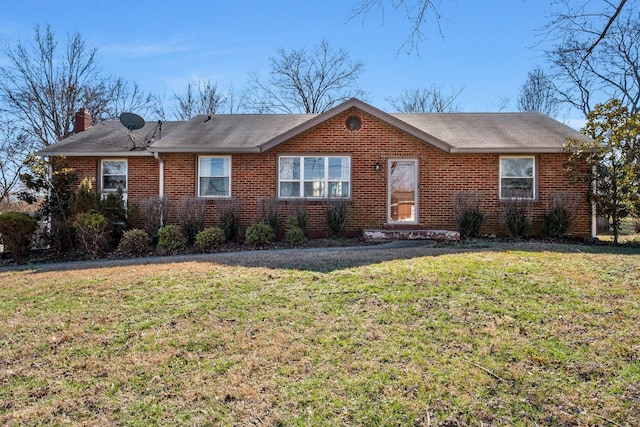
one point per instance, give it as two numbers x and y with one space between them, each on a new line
440 176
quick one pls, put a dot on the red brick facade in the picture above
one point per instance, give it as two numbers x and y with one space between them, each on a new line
441 174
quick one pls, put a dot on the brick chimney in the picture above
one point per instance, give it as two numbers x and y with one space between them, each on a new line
82 120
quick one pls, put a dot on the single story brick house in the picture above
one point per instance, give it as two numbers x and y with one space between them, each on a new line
397 171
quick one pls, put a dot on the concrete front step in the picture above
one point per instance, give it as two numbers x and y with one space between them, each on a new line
384 234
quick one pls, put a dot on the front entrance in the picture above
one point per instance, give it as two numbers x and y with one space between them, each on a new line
402 191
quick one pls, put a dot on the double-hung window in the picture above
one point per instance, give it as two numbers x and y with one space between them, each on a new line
113 175
517 177
214 176
314 176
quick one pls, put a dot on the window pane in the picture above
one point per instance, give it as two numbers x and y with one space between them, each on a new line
313 168
214 166
338 189
214 186
339 168
114 167
517 167
289 189
289 167
314 189
113 182
517 187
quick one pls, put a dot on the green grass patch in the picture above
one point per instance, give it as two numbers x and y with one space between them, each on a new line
524 335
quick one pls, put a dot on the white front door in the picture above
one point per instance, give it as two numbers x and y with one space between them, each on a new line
402 193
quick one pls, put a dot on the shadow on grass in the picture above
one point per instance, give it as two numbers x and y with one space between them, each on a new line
336 258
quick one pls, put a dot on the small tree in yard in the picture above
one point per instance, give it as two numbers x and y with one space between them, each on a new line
55 192
610 161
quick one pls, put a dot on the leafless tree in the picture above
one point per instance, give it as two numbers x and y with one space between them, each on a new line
43 85
425 100
538 94
15 144
565 12
306 82
198 98
570 15
585 72
417 12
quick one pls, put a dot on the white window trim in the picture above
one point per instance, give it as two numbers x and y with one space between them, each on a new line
198 176
326 179
126 176
534 178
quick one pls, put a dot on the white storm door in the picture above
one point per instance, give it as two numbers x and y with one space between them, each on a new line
402 198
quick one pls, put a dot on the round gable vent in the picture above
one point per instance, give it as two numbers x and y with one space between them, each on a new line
353 123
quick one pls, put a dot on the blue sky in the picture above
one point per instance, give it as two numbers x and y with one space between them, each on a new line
487 47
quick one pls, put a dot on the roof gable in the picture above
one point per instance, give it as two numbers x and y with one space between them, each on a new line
356 103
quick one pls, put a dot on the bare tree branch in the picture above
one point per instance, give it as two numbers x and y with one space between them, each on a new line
538 94
303 82
425 100
417 13
198 98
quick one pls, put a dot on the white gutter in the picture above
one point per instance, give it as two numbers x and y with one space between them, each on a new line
156 155
594 213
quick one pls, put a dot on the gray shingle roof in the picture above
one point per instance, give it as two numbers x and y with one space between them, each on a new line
229 132
110 138
236 133
486 132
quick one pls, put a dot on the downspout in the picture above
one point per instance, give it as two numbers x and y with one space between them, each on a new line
594 213
156 155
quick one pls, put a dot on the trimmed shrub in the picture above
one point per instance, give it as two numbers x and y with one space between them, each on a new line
210 239
336 215
135 242
269 214
16 231
516 217
559 215
114 208
468 213
259 234
556 222
294 234
154 212
92 232
228 219
470 223
192 211
171 238
298 209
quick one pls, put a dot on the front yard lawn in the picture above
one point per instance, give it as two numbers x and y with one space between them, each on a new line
498 335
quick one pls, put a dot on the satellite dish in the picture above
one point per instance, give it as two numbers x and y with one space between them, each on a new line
131 121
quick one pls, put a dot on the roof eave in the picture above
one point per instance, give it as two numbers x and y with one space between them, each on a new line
508 150
127 153
205 150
